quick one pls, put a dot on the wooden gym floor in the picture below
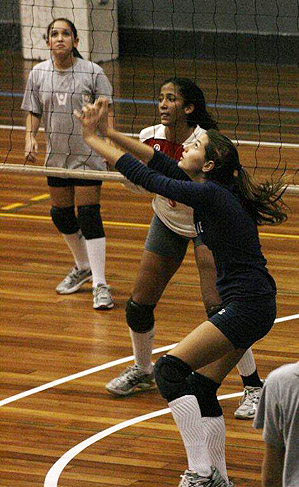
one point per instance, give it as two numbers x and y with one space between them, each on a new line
58 424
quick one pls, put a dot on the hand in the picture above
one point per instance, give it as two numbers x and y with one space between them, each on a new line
94 117
31 148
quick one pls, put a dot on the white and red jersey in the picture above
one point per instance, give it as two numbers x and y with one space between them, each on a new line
176 216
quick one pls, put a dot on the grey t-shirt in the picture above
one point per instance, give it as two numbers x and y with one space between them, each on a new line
278 415
55 95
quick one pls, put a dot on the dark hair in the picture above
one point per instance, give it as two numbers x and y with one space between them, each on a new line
192 94
263 201
73 29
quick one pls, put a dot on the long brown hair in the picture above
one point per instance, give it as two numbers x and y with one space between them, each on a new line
262 200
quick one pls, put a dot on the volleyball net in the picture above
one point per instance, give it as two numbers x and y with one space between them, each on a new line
255 103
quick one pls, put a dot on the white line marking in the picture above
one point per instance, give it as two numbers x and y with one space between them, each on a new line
78 375
53 474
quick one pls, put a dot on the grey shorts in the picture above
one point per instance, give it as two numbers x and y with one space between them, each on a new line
163 241
245 322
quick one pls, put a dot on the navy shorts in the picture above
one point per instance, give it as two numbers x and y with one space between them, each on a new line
55 182
245 322
163 241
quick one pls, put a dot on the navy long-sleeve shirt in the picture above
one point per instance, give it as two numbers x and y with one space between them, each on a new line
225 227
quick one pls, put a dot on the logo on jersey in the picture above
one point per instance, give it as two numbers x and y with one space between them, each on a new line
221 312
157 147
61 98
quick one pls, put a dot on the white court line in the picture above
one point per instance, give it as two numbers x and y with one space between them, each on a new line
78 375
53 474
55 471
240 142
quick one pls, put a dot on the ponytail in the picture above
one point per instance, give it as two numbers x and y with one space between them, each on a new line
263 201
77 53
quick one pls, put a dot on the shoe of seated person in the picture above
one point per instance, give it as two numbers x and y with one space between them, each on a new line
192 479
131 380
248 403
73 281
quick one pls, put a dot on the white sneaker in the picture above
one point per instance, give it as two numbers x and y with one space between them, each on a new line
248 403
192 479
73 281
131 380
102 298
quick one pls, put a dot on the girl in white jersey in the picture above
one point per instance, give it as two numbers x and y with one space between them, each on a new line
184 117
54 88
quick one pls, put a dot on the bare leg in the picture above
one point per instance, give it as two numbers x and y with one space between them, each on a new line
155 271
154 274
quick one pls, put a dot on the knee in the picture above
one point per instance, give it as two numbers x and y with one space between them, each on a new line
65 219
140 317
170 374
90 221
205 391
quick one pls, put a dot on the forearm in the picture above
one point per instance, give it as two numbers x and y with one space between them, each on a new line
104 148
32 124
272 467
134 146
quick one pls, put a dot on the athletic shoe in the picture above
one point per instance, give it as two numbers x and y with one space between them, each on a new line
132 379
192 479
248 403
102 298
73 281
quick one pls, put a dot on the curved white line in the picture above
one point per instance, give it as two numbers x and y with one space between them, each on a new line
55 471
57 382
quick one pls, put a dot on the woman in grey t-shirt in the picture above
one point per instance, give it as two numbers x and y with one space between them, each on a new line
54 89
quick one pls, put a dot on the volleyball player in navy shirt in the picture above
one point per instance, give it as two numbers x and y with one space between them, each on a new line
228 206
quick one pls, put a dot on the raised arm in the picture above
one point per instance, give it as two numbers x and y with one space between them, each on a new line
95 117
129 144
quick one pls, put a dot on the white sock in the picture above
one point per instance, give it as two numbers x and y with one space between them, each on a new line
187 415
214 430
96 249
142 348
77 245
246 365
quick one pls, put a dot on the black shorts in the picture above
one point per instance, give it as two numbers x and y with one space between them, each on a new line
245 322
64 182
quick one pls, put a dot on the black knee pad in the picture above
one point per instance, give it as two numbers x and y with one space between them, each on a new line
205 391
140 317
170 374
90 221
65 219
